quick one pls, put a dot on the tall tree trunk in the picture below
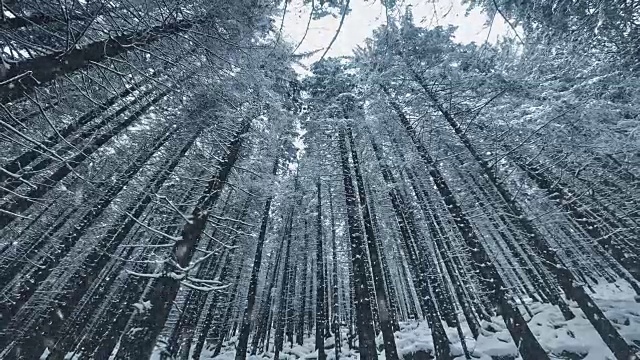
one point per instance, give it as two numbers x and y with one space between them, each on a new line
22 161
103 338
320 289
47 184
529 347
212 312
303 291
12 270
364 314
564 197
393 306
20 177
290 324
455 265
263 326
214 267
86 220
245 328
139 344
282 302
23 77
24 230
327 293
565 278
440 340
543 286
376 266
224 319
335 321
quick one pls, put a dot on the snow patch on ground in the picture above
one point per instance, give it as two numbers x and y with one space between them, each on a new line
562 339
413 337
618 302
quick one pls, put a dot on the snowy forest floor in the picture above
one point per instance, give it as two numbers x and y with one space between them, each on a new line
571 340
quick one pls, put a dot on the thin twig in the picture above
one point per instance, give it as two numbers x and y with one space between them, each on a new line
306 31
335 36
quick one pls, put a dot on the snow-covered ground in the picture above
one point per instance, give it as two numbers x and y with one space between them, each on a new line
572 339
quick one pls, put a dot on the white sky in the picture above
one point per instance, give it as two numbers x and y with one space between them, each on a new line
368 15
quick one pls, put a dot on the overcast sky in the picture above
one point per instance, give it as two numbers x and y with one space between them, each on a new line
367 15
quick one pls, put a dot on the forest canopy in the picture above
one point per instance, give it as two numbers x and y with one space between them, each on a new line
173 187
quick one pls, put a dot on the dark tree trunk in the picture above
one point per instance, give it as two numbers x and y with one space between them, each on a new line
565 278
303 291
320 289
245 328
24 76
543 287
493 282
440 340
393 306
454 266
335 321
364 315
212 314
376 265
263 325
115 296
214 267
282 302
77 141
47 184
102 339
290 323
87 219
11 270
224 319
590 226
327 304
139 344
29 156
352 304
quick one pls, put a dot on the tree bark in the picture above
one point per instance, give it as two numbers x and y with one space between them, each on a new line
320 289
376 265
364 315
22 161
24 76
303 291
99 257
22 204
562 196
245 328
335 321
214 267
529 347
9 309
282 302
440 340
139 344
565 278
